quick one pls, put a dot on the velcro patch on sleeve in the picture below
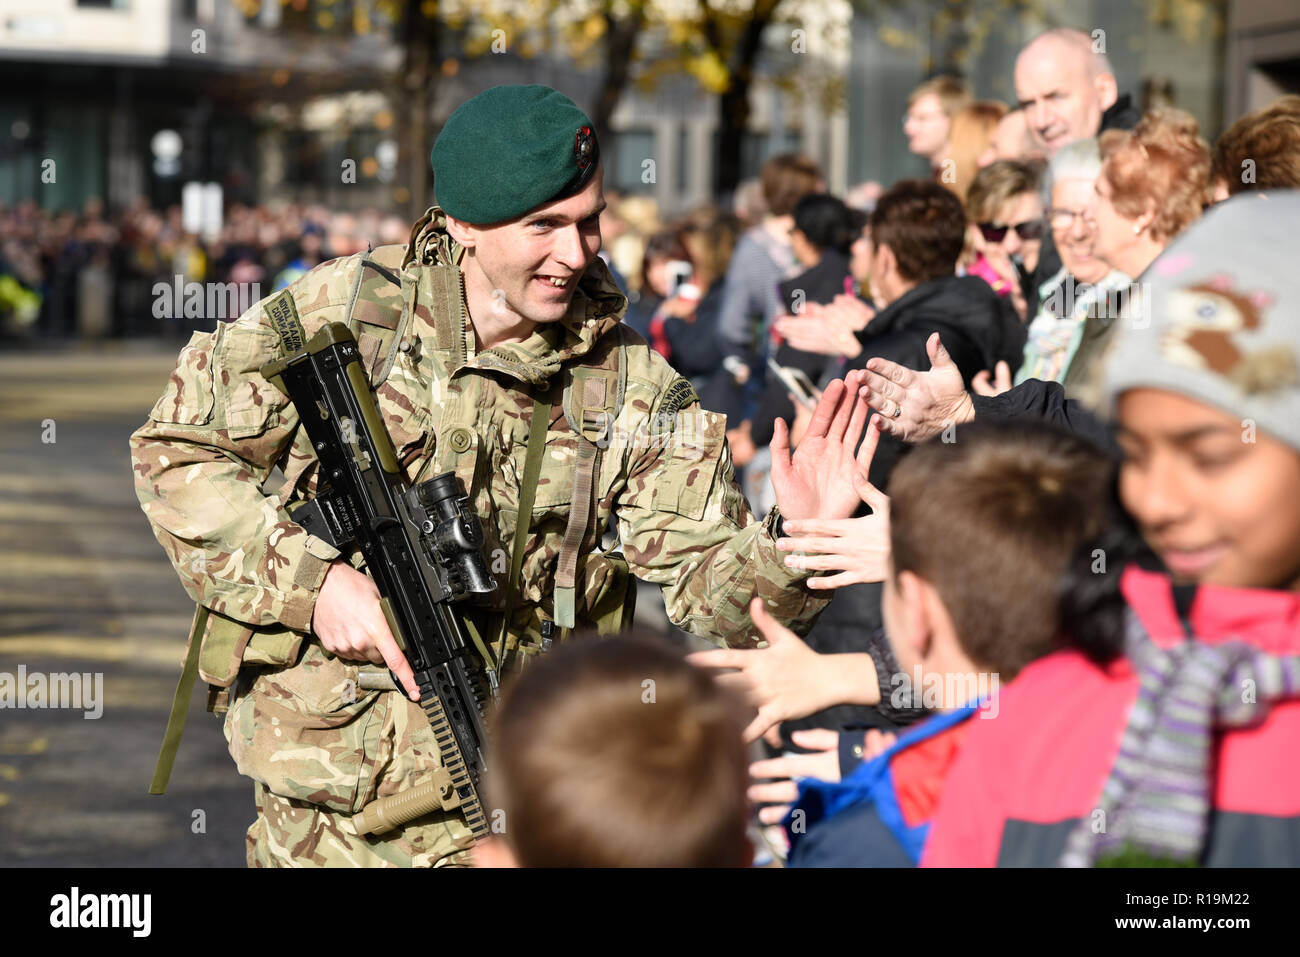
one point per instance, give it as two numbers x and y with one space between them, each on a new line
284 319
676 397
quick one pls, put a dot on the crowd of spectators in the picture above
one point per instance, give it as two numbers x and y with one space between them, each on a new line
1079 343
91 275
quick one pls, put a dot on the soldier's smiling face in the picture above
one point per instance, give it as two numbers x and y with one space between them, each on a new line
535 261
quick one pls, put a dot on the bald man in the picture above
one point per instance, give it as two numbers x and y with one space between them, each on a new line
1067 90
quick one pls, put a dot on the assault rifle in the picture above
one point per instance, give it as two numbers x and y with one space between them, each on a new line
423 546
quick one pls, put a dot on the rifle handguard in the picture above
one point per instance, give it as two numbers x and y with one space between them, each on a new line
395 810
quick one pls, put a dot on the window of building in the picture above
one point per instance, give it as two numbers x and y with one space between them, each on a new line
332 17
758 148
631 150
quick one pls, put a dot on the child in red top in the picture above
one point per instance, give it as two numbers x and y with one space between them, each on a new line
981 530
1167 732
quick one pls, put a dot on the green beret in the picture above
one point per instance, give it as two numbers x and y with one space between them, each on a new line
509 150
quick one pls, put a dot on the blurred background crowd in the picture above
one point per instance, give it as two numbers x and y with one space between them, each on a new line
89 274
1011 224
309 123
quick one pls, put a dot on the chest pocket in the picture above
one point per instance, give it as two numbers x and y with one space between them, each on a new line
690 460
189 396
506 457
403 400
590 397
554 493
254 405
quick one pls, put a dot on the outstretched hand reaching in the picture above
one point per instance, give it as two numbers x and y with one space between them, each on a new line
817 482
856 548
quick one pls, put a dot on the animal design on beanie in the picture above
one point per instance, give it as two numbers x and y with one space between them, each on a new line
1205 320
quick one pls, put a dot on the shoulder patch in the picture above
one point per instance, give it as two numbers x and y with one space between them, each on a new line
679 394
283 314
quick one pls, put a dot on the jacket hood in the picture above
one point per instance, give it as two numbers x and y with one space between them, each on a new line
965 302
596 310
1265 618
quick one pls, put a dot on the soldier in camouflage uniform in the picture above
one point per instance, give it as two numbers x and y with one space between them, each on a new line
287 626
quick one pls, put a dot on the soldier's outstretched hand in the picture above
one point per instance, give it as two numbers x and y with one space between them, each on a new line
856 548
817 482
350 623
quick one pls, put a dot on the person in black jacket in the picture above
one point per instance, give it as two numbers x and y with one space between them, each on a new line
909 253
916 236
916 405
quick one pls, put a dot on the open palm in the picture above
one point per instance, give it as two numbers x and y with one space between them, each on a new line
818 481
856 548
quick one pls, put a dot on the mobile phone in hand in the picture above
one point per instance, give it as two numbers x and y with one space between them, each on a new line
796 382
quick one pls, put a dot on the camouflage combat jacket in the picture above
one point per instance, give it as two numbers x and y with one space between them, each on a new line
203 460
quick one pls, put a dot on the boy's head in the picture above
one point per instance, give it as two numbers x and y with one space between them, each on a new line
981 531
618 753
1204 381
917 232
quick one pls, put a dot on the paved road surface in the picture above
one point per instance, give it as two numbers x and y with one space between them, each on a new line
85 588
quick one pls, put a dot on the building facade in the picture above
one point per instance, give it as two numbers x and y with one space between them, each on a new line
274 100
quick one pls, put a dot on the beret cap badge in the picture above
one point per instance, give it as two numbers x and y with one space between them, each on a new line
584 146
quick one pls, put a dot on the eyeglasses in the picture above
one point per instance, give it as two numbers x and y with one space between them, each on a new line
1028 230
922 117
1063 219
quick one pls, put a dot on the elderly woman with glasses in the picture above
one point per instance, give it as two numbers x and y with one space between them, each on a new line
1147 186
1154 183
1079 303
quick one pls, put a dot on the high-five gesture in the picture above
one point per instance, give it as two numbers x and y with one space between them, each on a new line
818 481
857 548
